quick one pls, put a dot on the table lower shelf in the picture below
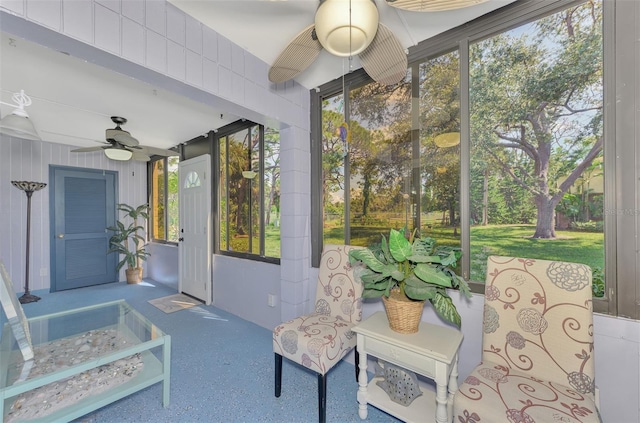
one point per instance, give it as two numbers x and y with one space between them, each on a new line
151 373
421 409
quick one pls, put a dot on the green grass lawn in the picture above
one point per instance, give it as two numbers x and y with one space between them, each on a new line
516 241
504 240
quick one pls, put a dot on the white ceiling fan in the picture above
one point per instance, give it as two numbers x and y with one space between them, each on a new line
120 145
347 28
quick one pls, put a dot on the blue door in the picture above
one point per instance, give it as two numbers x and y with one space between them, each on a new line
83 205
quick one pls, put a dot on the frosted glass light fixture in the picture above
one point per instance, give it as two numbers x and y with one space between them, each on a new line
121 154
18 124
346 28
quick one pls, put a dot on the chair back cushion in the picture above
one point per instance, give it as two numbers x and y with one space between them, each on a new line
538 320
338 292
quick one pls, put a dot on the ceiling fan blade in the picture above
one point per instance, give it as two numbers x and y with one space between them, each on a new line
385 60
123 137
432 5
87 149
296 57
140 156
155 151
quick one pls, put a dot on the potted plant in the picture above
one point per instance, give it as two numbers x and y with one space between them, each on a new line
129 243
408 272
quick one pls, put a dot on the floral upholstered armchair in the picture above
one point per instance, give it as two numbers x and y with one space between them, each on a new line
321 339
537 346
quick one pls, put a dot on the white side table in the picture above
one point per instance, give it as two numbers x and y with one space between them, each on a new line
431 352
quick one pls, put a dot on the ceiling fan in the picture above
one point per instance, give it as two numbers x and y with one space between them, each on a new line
120 145
347 28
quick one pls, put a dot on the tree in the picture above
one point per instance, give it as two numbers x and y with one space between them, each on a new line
536 99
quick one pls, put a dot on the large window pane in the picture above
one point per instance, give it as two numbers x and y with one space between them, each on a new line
157 199
536 142
440 148
382 195
334 147
249 197
172 198
271 193
163 214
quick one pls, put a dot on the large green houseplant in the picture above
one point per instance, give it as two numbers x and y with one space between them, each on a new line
128 242
413 268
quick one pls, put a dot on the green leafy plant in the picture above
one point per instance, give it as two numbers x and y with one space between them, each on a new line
415 266
127 240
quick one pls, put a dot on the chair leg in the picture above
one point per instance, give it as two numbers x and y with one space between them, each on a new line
357 358
322 397
278 374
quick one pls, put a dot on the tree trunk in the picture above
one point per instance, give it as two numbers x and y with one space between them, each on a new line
545 224
485 198
366 193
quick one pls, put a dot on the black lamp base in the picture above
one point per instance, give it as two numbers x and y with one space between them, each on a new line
28 298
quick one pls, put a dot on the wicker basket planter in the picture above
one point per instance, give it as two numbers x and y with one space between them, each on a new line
134 274
403 313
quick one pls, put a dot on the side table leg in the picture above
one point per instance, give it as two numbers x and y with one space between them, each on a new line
166 364
453 387
363 379
441 403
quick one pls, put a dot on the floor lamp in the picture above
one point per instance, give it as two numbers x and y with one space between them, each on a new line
29 188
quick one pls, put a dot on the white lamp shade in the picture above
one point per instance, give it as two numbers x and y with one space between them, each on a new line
345 32
118 154
19 125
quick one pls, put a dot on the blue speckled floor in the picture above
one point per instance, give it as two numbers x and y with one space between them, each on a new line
221 368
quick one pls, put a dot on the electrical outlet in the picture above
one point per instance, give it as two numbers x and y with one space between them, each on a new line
271 300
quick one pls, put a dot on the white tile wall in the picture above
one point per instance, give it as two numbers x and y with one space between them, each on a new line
224 52
210 44
175 24
111 4
134 10
15 6
155 16
47 13
237 59
133 41
176 60
156 52
210 76
193 35
107 29
193 68
78 20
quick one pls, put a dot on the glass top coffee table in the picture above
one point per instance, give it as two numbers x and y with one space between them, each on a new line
83 359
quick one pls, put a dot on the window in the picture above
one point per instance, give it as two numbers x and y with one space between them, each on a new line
496 143
536 111
249 191
163 183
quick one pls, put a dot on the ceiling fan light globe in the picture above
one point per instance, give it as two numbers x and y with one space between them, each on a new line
120 154
342 33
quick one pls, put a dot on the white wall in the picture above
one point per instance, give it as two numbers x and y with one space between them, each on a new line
242 287
162 264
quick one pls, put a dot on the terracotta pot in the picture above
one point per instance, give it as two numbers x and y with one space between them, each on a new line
134 274
404 314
